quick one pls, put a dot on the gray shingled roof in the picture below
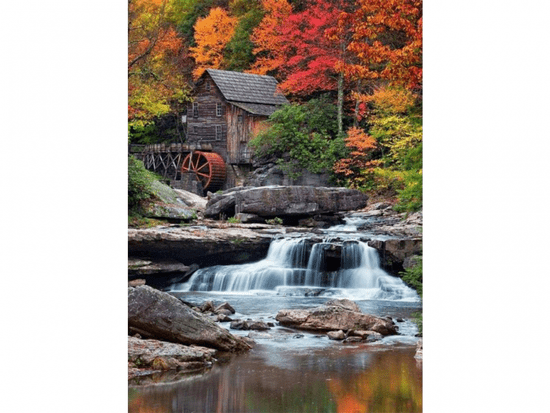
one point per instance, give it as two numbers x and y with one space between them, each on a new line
256 108
245 87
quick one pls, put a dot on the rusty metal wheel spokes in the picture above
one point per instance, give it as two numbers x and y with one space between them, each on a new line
208 167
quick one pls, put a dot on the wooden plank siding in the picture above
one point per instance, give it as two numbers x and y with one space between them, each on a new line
237 125
202 129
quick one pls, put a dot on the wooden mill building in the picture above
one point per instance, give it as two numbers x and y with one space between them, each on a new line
229 109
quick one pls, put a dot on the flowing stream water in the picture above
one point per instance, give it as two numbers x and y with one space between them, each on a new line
296 371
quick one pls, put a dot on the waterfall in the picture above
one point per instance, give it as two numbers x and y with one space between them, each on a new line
295 262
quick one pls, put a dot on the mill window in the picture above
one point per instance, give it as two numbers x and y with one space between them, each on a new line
208 87
218 132
218 109
195 110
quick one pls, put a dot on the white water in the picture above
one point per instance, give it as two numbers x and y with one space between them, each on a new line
288 264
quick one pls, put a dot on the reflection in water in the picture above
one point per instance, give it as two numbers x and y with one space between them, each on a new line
339 379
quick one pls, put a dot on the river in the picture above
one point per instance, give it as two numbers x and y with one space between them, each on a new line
290 370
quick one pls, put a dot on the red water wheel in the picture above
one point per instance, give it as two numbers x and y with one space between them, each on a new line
209 168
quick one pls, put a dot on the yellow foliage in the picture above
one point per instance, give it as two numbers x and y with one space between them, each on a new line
212 33
388 100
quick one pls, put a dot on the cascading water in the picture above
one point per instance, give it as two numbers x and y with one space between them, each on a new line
295 262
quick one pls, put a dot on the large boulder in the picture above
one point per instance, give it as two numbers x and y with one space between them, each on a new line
161 355
159 273
335 317
231 244
394 252
170 204
159 315
282 201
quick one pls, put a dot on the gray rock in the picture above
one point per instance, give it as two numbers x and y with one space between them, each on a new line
334 318
258 325
249 218
190 199
344 303
353 339
135 283
380 205
364 334
223 311
166 318
160 355
281 201
225 306
141 267
393 252
238 325
168 204
419 350
336 335
207 306
223 318
201 245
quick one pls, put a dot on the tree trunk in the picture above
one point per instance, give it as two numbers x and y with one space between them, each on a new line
340 102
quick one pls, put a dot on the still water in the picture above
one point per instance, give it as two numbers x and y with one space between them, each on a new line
294 371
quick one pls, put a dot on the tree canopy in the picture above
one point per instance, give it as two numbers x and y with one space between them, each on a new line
362 58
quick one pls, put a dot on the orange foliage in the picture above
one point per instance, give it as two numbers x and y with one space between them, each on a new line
361 146
387 41
266 37
385 100
212 33
389 386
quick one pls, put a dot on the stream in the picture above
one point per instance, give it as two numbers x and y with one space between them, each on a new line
297 371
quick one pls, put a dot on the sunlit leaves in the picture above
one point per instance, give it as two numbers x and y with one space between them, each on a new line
387 41
212 34
295 46
267 37
156 85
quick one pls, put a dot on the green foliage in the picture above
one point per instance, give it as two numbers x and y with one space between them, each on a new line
302 136
413 276
139 185
233 220
397 135
274 221
418 320
238 52
162 129
410 197
137 221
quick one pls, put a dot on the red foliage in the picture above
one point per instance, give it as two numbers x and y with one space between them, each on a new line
305 57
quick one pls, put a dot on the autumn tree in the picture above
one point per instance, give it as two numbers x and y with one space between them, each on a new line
267 37
387 155
189 11
360 162
386 41
156 85
297 47
212 34
238 52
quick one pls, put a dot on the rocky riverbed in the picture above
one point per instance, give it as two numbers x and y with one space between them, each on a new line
169 333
